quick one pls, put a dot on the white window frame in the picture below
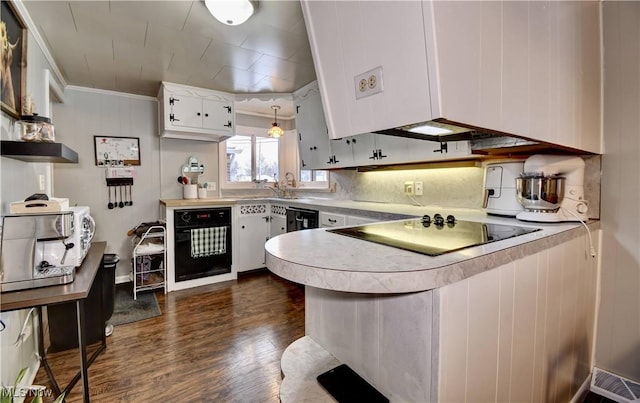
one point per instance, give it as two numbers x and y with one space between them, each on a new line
288 161
222 160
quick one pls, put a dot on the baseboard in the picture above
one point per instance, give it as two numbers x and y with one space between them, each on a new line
123 279
582 392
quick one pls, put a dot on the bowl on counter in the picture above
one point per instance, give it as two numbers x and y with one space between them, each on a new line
537 192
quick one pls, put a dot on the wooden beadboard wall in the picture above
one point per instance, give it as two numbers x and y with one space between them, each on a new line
523 331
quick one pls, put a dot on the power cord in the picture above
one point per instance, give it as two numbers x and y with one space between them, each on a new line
414 200
592 249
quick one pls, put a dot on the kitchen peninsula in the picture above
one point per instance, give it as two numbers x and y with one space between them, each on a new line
421 328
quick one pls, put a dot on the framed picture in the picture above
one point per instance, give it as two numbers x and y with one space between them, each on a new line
13 69
117 150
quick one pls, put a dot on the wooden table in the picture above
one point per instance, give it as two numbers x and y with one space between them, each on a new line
77 292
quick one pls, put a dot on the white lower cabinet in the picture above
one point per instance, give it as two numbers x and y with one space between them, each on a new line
252 231
328 220
278 225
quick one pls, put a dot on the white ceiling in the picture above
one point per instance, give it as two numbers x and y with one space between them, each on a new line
131 46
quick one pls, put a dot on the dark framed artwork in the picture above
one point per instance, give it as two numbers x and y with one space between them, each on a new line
117 150
13 67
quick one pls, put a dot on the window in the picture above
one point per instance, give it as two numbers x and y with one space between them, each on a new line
307 175
250 158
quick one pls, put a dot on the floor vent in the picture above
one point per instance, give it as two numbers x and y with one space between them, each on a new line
615 387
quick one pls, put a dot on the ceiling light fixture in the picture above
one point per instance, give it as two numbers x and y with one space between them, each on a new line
275 131
231 12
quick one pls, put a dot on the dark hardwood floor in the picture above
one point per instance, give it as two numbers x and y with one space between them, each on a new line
214 343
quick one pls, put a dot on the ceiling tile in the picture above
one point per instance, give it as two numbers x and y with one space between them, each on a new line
274 42
273 84
274 67
168 40
92 23
279 14
170 14
235 80
229 55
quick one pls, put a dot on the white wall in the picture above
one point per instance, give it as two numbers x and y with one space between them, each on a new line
618 341
84 114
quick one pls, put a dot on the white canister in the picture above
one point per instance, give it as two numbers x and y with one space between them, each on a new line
189 191
202 193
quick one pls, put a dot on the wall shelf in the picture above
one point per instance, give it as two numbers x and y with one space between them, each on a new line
38 152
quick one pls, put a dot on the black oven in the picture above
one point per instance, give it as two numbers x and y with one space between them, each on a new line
299 219
202 242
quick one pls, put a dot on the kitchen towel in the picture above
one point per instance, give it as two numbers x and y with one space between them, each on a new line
208 241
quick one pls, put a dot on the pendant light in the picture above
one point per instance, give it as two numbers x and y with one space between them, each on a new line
275 131
231 12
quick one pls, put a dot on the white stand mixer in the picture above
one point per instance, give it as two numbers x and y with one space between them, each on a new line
573 206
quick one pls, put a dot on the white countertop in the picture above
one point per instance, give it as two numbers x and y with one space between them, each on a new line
326 260
322 259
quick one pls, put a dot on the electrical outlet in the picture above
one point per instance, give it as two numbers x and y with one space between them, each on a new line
368 83
417 188
408 188
42 184
211 186
363 85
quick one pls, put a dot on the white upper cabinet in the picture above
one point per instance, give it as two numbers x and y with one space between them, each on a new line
527 68
195 113
350 38
530 69
313 141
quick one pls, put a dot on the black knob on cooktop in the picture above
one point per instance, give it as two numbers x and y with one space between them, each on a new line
426 219
451 219
438 220
437 215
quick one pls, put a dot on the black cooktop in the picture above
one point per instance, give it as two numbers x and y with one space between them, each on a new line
433 236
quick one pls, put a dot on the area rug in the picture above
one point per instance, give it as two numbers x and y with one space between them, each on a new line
128 310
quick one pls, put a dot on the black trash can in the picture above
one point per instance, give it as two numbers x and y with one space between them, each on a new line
63 329
109 263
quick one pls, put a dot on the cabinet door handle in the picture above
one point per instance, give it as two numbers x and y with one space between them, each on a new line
299 136
299 219
172 100
335 161
443 148
228 124
243 227
303 164
380 155
374 156
172 118
206 115
297 108
198 113
331 220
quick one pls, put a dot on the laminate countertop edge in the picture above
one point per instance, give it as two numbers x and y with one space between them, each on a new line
320 259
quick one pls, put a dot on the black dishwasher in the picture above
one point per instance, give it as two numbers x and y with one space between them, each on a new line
202 242
299 219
